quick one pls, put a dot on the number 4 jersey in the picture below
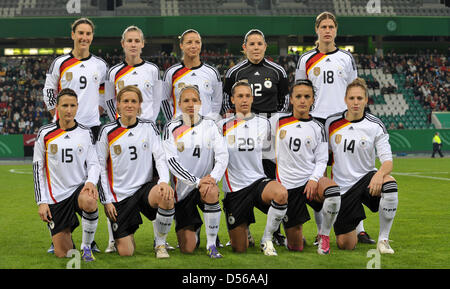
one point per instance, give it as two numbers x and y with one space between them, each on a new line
354 145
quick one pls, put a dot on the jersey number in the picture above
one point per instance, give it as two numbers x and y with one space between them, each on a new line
83 82
328 76
133 153
256 88
196 152
294 144
66 155
246 144
350 147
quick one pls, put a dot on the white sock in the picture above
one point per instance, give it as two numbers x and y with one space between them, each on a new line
211 215
387 209
330 209
275 215
110 231
163 222
89 223
318 218
360 227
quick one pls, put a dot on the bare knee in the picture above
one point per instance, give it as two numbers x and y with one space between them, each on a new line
347 241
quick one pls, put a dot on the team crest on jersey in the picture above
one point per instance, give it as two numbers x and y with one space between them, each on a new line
282 134
267 83
338 138
80 149
316 71
340 71
117 149
53 148
206 84
231 139
363 142
145 145
147 84
69 76
95 77
180 146
181 85
120 84
308 141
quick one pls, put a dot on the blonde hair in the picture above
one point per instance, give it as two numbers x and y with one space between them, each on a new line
133 28
323 16
191 87
358 82
130 88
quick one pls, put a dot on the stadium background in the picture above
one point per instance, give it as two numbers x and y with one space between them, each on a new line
401 48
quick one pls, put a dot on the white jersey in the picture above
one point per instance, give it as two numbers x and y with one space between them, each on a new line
301 149
246 140
193 152
144 76
330 74
355 146
126 156
207 80
62 161
86 77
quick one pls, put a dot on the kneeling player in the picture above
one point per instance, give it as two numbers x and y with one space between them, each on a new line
65 157
355 138
126 148
245 185
197 157
301 154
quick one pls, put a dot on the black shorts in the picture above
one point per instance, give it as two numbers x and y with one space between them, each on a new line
186 212
297 212
352 210
238 206
128 210
64 213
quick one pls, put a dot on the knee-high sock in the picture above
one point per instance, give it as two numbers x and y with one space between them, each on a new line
211 215
89 222
318 218
275 215
330 209
162 223
388 208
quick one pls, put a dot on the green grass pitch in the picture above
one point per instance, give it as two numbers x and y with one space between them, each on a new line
420 233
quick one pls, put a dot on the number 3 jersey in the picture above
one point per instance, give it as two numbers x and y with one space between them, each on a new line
330 73
301 149
246 139
355 145
193 151
62 161
126 158
86 77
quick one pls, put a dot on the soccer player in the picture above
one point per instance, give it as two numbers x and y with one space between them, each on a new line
134 71
245 184
197 157
140 73
192 71
126 149
270 88
355 138
81 71
85 74
66 171
330 69
301 154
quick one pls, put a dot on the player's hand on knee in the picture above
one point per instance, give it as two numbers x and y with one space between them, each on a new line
165 191
311 190
44 213
91 190
375 184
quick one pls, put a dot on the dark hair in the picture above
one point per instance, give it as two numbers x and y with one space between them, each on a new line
305 82
66 91
254 31
241 82
181 37
82 21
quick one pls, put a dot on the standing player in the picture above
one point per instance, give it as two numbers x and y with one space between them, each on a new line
133 71
197 158
330 69
66 172
192 71
245 184
82 72
355 138
270 88
301 154
126 149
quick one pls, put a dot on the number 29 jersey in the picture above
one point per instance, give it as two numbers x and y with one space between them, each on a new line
246 140
355 145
